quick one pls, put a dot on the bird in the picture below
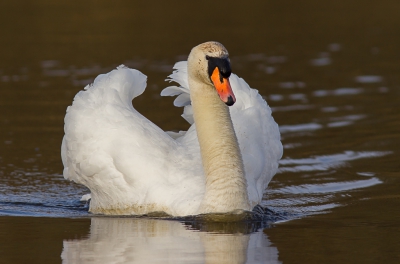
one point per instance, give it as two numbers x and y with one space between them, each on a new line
221 164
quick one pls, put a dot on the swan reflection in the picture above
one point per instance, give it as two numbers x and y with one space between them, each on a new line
139 240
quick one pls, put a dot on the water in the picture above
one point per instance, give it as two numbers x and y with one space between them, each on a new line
330 72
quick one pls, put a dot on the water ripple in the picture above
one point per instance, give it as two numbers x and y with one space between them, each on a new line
323 163
331 187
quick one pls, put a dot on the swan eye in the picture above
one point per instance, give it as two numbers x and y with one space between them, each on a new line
223 64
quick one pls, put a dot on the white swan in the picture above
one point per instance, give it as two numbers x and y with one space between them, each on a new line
223 163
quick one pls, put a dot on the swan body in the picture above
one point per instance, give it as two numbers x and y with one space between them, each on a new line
223 163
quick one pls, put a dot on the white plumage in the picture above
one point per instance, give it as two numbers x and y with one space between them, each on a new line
131 166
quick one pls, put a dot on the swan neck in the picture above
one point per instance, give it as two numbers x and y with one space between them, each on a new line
226 187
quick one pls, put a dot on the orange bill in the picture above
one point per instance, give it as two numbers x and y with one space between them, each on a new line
223 87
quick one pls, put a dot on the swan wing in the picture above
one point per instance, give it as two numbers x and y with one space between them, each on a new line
129 164
258 135
180 76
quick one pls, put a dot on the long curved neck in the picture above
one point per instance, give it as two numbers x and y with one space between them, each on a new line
226 187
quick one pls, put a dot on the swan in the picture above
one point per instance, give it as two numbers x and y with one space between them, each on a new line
221 164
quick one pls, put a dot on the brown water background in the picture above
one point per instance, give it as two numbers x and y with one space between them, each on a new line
329 70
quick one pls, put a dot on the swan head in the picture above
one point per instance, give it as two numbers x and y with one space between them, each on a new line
209 63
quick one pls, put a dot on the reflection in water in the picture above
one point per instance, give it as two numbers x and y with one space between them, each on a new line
339 91
300 127
321 61
323 163
291 108
369 79
345 120
327 187
134 240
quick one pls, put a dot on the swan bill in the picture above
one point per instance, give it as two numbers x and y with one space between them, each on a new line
223 87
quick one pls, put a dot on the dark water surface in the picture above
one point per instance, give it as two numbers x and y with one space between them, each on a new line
330 72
